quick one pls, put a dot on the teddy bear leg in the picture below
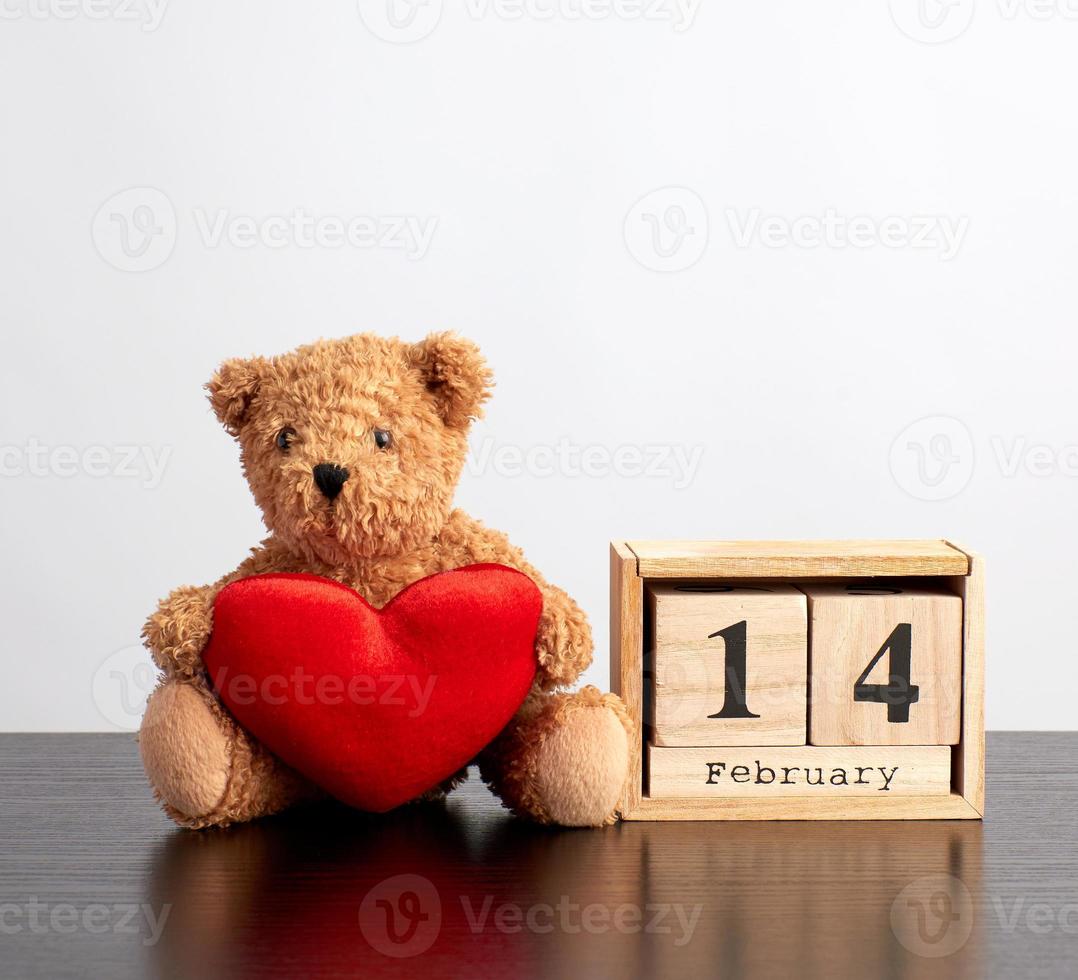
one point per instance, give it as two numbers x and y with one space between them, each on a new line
203 767
564 758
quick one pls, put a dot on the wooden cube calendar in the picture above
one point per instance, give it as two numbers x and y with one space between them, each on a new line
730 664
886 664
713 671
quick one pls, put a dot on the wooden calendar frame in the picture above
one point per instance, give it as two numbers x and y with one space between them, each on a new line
633 564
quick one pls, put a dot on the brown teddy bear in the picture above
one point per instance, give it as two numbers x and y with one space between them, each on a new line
353 449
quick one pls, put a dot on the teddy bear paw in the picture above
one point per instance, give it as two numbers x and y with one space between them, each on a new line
583 763
179 630
185 751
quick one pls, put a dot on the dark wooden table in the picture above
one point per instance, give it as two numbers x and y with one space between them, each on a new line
95 882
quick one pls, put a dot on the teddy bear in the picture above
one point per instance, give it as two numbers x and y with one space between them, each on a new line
353 449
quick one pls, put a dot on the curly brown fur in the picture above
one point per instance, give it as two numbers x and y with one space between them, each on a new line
391 524
527 763
241 777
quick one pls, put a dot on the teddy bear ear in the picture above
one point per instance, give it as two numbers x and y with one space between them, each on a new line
233 387
455 374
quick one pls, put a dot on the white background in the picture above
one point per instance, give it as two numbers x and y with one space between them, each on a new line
534 140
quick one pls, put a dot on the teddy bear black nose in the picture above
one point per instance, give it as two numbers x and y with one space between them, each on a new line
329 477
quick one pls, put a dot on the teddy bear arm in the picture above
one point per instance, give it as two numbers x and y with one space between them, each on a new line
179 628
177 632
563 641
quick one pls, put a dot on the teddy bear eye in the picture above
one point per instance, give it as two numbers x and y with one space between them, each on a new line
284 438
383 438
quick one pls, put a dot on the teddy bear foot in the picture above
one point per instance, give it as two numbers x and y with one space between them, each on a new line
185 752
582 765
565 759
203 768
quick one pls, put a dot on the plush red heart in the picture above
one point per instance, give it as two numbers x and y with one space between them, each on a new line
376 706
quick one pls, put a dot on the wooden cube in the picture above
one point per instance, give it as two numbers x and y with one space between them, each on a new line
730 664
638 567
885 664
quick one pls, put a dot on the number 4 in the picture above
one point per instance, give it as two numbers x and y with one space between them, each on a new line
898 693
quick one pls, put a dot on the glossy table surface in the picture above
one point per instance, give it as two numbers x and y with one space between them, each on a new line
96 882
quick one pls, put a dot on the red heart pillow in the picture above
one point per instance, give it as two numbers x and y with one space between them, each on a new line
376 706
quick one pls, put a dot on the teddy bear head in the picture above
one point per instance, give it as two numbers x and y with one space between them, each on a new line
353 447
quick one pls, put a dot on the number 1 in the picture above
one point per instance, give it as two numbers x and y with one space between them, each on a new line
734 705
